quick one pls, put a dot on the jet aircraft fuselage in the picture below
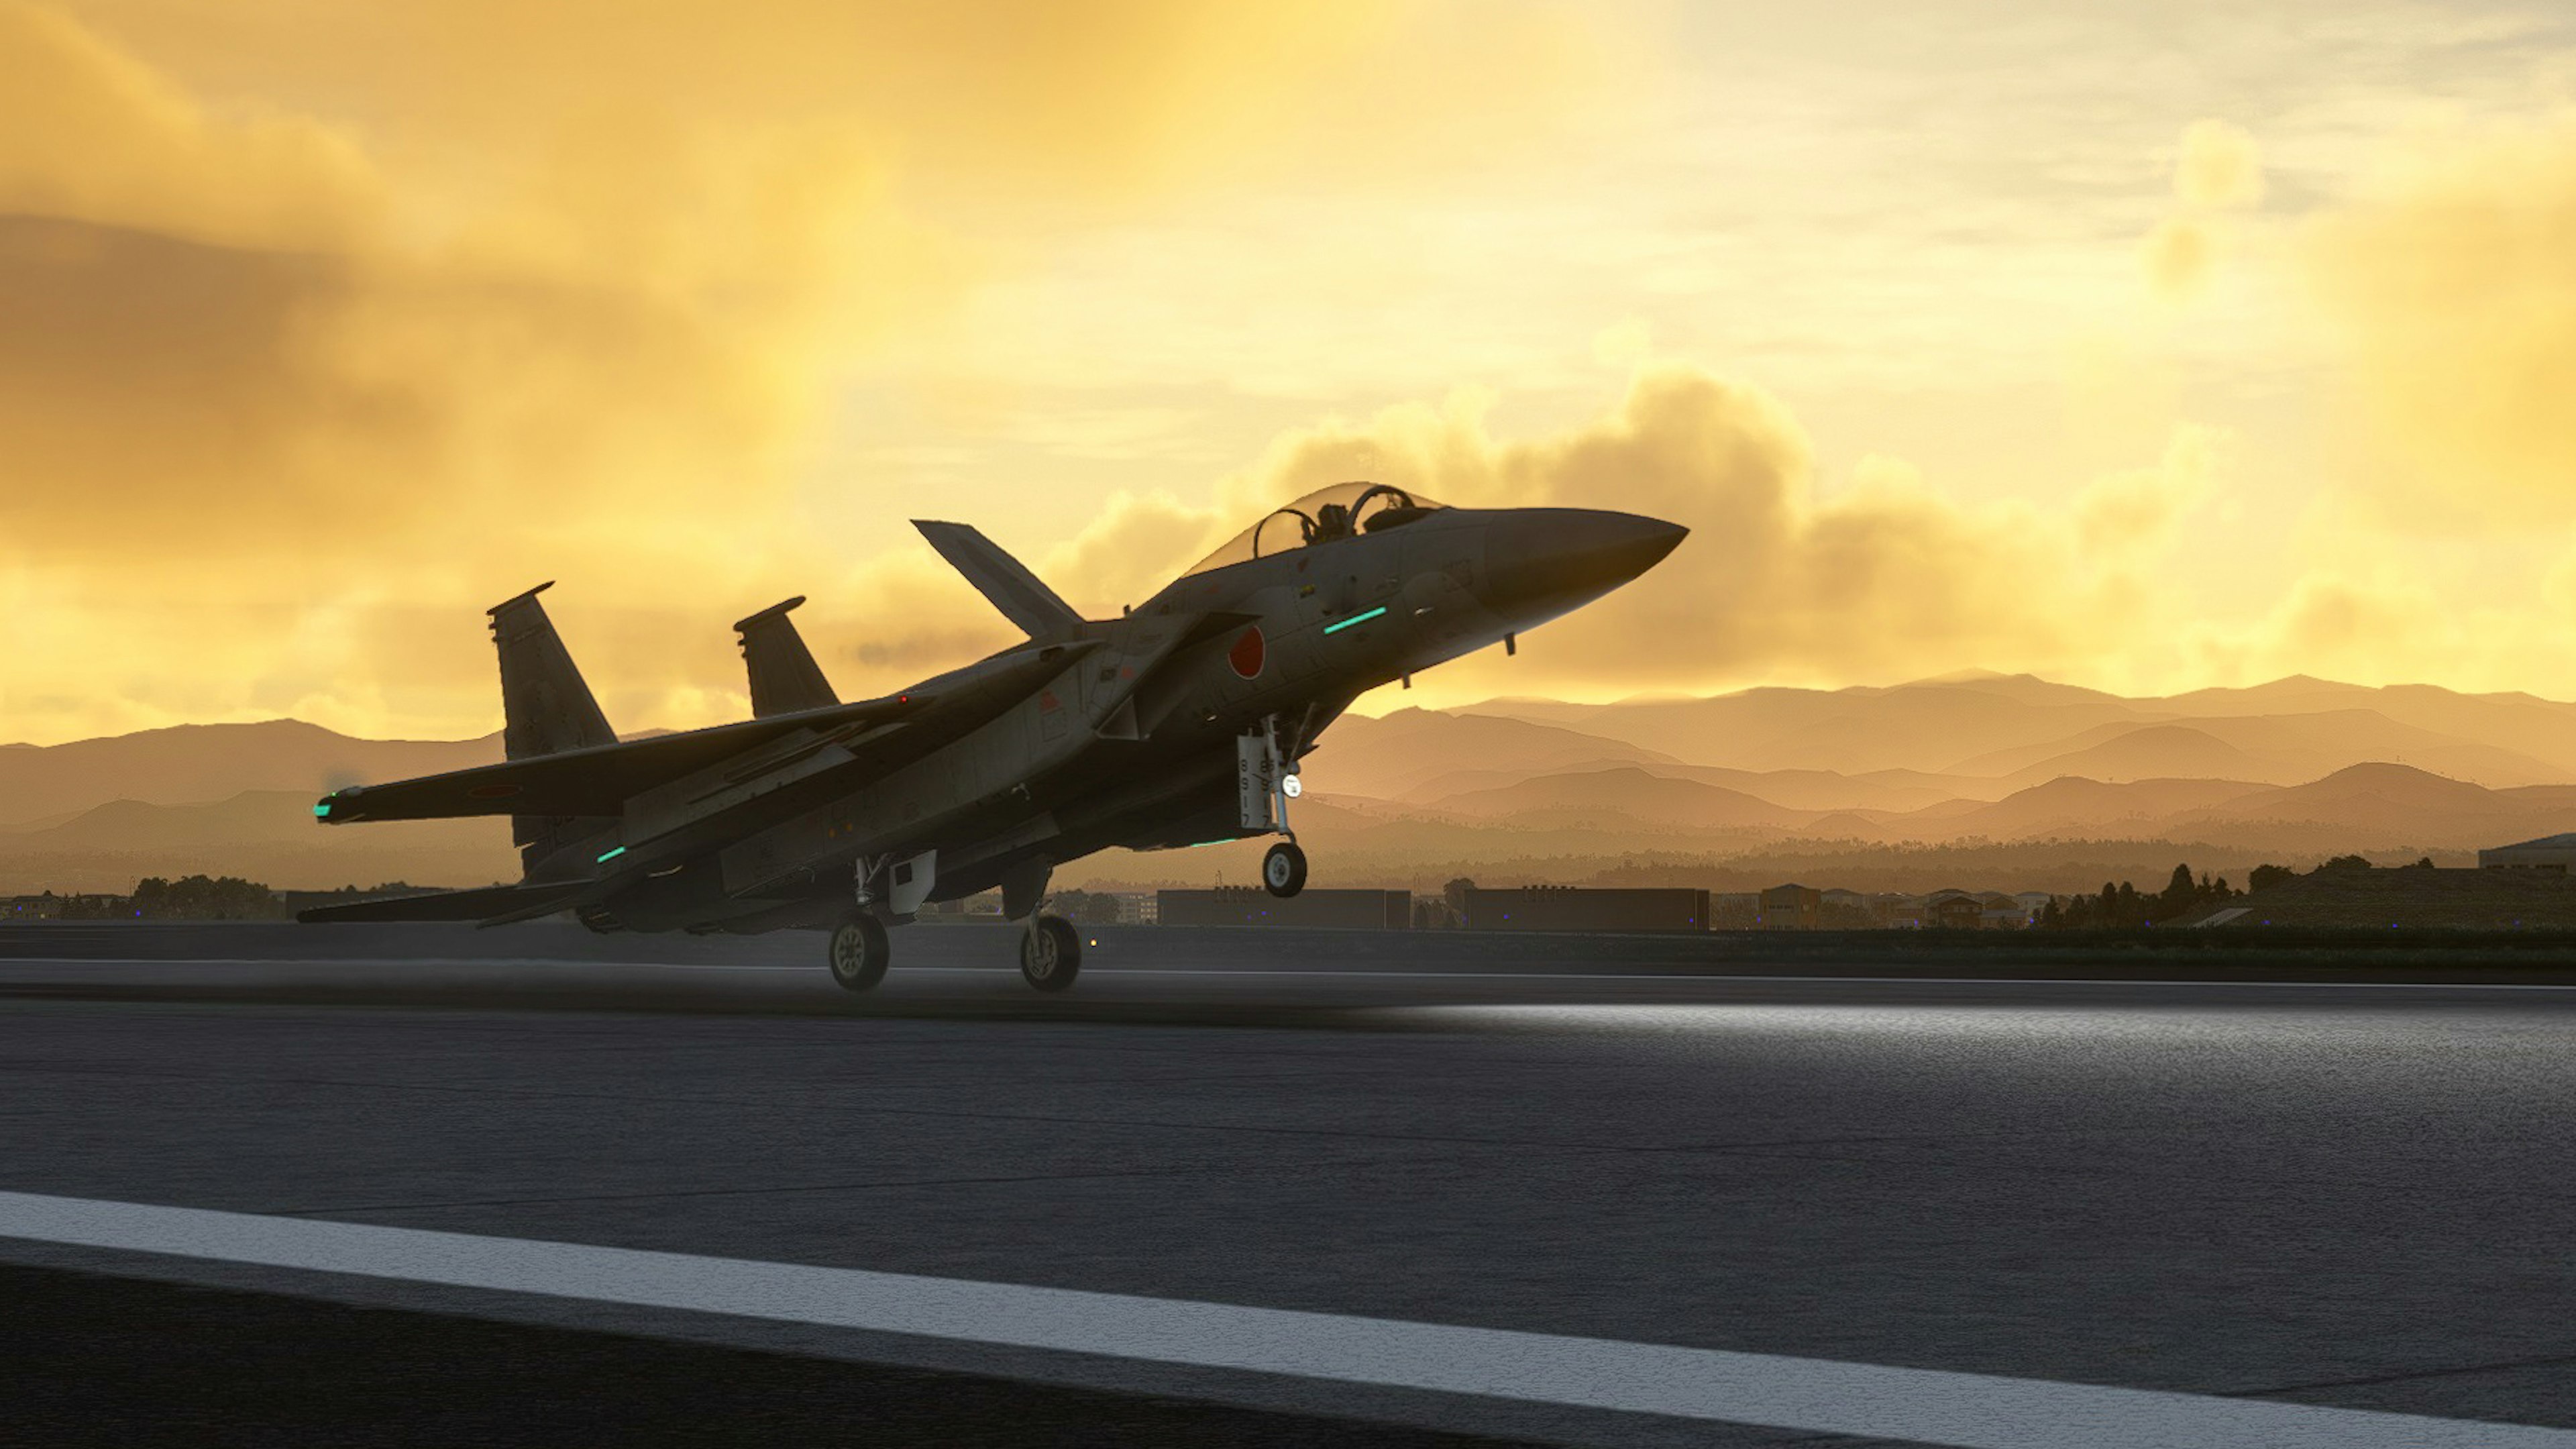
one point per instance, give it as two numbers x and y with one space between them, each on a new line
1181 722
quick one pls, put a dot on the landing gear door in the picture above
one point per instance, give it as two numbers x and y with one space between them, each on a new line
1257 770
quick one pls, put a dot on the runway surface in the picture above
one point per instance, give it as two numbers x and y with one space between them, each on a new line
2352 1198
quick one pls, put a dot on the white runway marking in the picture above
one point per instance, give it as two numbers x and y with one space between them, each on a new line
1814 1395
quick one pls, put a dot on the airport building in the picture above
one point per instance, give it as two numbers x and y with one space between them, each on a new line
2551 854
1788 908
1348 910
1568 908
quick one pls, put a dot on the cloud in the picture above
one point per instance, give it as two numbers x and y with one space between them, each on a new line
2452 292
87 133
2138 512
2219 167
323 326
2179 257
1889 577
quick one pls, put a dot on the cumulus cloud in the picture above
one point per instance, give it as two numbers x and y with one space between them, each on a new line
1887 577
2453 291
2137 513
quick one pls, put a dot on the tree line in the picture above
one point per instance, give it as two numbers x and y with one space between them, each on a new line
2122 905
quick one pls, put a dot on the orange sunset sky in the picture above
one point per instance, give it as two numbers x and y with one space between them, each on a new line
2141 346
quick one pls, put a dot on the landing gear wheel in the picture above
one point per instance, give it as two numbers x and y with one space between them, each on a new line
859 951
1050 953
1283 870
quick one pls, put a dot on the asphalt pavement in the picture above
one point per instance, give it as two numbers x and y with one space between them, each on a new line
2268 1193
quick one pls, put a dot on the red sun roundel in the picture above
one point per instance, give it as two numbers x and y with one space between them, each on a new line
1245 656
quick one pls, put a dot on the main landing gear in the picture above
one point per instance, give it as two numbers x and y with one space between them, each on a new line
1050 948
859 951
1050 952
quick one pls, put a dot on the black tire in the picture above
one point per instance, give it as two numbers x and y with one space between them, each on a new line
858 951
1283 869
1051 954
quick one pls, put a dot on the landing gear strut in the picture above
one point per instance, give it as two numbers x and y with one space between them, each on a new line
1264 785
1050 953
859 951
1283 869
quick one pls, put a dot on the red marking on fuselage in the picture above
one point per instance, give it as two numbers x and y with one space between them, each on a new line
1246 655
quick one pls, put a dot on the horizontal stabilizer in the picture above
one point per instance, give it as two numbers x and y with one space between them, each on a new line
1022 597
784 676
473 905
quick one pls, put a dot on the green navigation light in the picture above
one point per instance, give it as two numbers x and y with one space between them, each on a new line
612 855
1355 619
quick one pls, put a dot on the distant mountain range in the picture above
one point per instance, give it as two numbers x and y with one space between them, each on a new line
1907 787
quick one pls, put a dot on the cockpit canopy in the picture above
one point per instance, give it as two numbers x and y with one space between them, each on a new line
1341 511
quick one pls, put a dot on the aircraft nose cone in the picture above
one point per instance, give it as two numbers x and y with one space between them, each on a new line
1547 560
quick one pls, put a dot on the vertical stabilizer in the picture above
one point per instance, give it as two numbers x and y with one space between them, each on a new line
784 676
545 707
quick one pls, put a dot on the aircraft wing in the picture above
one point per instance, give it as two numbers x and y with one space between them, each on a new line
598 780
469 905
601 780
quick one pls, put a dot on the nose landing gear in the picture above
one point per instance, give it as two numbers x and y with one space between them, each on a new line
1264 786
1283 869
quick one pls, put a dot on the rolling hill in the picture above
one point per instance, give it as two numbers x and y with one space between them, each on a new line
264 835
1620 793
2294 770
192 764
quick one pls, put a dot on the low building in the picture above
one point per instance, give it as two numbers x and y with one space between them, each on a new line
1573 908
2008 913
1789 908
52 907
1139 908
1954 910
2552 854
1347 910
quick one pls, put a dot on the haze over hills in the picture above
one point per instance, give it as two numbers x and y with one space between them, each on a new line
1994 725
2047 783
194 764
262 835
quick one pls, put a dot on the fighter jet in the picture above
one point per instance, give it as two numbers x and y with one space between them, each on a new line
1181 722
